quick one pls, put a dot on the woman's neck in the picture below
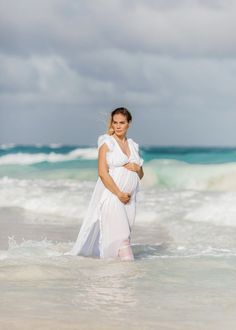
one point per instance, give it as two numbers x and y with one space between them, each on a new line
122 138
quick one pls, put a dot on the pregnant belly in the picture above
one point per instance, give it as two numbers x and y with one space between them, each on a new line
126 180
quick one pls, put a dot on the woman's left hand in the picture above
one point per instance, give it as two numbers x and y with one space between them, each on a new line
132 167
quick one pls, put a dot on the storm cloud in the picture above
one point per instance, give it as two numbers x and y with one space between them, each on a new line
65 64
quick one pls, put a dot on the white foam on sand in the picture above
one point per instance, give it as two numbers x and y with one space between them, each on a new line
217 209
66 202
31 249
65 198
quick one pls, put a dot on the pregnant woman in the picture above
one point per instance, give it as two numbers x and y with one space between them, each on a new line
106 229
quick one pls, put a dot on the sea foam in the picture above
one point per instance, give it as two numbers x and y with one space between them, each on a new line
21 158
181 175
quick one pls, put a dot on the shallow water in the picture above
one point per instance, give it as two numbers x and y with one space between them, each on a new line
184 273
177 281
163 293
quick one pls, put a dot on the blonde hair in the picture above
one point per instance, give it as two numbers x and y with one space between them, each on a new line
125 112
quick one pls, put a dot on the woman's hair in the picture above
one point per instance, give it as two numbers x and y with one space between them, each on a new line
123 111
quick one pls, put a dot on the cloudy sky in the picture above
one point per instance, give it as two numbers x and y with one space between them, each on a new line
65 64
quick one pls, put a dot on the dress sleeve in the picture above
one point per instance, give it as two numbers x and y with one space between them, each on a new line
136 146
105 138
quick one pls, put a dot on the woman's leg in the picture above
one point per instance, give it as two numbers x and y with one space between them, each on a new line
125 251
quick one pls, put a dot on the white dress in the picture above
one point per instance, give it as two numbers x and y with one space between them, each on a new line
108 221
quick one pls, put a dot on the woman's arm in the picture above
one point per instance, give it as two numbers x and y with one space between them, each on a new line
106 178
136 168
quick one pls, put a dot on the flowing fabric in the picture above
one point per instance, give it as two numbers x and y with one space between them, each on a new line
108 222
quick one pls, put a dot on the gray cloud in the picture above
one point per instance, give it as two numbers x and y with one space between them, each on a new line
172 62
175 28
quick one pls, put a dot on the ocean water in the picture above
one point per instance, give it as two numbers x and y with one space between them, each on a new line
184 242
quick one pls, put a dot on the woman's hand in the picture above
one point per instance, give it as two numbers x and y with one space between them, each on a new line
132 167
124 197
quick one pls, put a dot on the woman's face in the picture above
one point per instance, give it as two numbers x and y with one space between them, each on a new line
120 124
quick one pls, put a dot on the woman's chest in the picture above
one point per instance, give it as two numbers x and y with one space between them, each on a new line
117 157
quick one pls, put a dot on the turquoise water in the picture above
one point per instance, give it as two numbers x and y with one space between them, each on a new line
181 185
194 155
164 164
183 240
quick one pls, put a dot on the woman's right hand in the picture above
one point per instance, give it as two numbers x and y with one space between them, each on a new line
124 197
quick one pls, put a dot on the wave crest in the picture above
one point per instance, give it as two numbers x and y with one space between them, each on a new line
21 158
166 173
